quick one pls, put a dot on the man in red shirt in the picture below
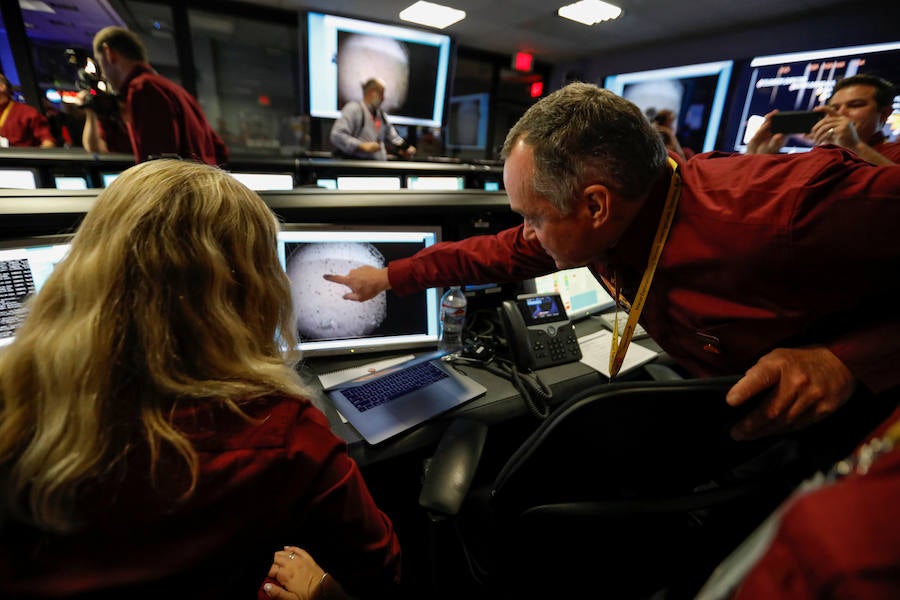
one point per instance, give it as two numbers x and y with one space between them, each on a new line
160 116
777 266
855 117
20 124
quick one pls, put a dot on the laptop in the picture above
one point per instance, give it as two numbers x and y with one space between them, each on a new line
383 404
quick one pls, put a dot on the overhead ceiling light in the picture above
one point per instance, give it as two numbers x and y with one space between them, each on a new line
36 6
590 12
432 15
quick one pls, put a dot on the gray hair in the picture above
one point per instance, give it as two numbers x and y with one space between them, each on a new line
584 133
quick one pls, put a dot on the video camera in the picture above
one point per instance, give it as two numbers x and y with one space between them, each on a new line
99 99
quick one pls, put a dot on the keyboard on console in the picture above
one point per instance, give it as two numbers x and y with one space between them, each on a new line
393 385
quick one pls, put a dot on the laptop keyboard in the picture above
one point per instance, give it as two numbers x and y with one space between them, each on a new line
393 385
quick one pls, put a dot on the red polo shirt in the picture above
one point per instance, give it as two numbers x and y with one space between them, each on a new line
765 251
283 480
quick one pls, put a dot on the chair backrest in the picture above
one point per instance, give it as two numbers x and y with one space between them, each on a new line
651 437
609 488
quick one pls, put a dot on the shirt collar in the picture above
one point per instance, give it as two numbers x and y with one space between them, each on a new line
139 69
630 253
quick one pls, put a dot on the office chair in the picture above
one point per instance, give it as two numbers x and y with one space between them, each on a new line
627 490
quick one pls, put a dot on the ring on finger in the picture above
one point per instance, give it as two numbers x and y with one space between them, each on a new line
291 556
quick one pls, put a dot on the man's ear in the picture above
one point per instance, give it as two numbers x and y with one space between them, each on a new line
597 202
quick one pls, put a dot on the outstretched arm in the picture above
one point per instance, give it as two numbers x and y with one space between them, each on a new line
364 282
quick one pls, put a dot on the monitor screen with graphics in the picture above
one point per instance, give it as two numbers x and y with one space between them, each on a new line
25 264
414 64
694 93
800 81
329 325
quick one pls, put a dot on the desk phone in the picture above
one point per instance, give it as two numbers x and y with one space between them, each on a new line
538 331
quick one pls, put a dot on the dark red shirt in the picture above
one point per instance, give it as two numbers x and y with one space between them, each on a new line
25 126
286 480
841 540
765 251
890 150
163 118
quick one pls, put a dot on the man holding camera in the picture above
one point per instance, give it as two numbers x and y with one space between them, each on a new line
854 118
20 124
159 116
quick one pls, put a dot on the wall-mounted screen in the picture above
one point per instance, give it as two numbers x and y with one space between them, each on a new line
467 122
803 80
343 53
580 291
695 93
328 324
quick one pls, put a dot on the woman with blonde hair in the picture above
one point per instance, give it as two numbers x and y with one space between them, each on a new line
154 435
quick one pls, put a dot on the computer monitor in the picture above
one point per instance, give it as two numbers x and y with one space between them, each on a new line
434 182
580 291
265 181
25 264
368 183
329 325
467 123
414 64
804 80
19 179
695 93
108 178
70 182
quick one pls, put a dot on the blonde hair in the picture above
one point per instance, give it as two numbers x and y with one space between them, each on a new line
171 292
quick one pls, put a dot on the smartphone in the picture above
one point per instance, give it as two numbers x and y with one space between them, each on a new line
794 121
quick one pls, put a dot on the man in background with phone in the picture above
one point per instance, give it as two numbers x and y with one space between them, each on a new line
854 118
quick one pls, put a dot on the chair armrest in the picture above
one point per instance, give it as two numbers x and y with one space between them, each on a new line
659 372
449 473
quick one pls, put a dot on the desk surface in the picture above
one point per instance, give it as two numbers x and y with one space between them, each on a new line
501 402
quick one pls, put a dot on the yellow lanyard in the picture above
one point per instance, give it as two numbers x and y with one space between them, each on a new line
618 349
6 113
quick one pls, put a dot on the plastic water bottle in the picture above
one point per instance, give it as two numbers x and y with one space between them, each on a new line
453 319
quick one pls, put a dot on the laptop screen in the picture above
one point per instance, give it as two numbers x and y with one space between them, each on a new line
24 267
329 325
